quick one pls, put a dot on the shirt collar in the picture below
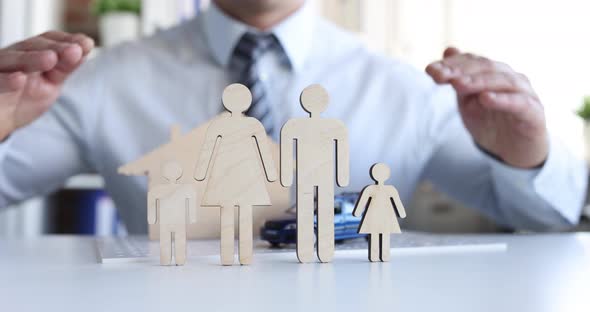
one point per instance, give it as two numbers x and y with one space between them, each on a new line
294 34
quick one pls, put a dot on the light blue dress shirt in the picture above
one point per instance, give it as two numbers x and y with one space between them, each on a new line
122 103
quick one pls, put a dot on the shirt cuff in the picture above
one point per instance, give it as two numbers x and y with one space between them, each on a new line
559 181
518 177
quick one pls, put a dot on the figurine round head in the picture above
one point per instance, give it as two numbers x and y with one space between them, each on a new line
236 98
172 171
380 172
314 99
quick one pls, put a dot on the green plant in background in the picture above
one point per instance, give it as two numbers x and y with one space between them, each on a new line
102 7
584 110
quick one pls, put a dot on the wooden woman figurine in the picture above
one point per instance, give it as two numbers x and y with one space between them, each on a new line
237 156
380 217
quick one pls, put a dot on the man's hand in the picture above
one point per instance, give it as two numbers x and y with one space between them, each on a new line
32 73
498 107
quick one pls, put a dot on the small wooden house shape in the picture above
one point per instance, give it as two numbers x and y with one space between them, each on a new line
185 149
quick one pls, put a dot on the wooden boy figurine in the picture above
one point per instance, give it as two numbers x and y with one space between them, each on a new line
172 202
380 217
315 138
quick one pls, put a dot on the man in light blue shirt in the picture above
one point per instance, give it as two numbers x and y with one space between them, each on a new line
472 126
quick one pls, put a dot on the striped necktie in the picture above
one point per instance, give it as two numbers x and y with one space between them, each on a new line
243 65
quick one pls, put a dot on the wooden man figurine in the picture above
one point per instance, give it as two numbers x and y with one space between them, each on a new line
237 156
380 217
172 202
315 138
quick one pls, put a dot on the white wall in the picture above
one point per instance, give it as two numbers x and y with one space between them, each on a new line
12 22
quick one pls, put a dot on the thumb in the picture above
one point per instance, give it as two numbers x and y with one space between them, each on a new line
451 51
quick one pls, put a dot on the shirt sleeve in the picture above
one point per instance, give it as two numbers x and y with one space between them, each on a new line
38 158
550 197
4 147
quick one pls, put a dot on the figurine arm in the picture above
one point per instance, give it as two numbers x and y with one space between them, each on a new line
342 157
265 155
361 203
153 202
212 140
191 202
397 203
286 155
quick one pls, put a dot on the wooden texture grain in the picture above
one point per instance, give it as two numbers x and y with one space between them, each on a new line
171 206
381 205
236 160
318 142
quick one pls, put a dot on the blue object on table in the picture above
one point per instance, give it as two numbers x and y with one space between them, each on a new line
84 211
284 231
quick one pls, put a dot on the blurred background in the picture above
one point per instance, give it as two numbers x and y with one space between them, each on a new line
546 39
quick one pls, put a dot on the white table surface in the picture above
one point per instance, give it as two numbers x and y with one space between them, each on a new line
536 273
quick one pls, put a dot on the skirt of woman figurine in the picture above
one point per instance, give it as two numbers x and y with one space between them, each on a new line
376 221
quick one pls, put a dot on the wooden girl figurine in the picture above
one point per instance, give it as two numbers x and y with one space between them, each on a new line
237 156
380 217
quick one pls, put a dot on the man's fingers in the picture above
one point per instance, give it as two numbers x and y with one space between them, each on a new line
463 64
440 72
468 63
69 54
58 76
12 82
69 58
39 43
492 82
520 105
85 42
451 51
27 61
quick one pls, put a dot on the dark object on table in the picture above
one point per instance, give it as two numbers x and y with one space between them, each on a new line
284 231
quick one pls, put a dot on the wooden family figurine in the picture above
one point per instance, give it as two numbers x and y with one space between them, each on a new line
168 205
315 139
382 206
234 163
236 159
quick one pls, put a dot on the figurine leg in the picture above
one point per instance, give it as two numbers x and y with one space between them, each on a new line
374 247
227 234
180 246
245 234
385 249
305 235
165 246
325 223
